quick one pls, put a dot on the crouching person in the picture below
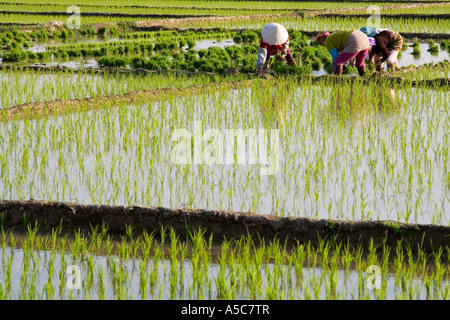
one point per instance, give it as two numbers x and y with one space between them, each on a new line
343 46
388 44
274 40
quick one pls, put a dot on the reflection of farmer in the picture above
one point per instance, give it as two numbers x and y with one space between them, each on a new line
388 44
343 46
274 40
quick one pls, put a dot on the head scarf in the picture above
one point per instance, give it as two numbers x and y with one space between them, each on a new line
369 31
322 35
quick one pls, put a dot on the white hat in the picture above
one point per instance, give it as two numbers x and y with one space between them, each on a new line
274 34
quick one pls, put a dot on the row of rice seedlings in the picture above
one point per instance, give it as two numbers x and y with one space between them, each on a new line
432 25
241 5
161 38
427 72
42 19
321 23
21 86
139 10
436 8
405 152
354 151
145 267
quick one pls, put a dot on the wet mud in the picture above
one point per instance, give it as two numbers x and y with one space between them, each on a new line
220 224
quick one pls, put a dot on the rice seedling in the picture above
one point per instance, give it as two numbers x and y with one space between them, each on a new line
359 149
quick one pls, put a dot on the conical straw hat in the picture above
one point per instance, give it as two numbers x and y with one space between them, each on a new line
274 33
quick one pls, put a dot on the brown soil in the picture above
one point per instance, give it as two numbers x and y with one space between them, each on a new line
175 23
221 224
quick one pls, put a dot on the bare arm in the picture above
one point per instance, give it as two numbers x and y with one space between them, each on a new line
262 56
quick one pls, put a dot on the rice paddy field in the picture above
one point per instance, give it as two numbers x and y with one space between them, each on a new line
294 185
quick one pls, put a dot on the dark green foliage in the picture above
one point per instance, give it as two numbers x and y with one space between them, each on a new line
432 47
404 45
65 34
113 31
304 69
249 36
112 61
138 62
316 64
156 62
250 49
191 44
234 51
190 55
416 49
349 69
102 31
247 64
74 53
14 56
237 39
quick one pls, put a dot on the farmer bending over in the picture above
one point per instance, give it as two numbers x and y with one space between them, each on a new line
274 39
343 46
388 44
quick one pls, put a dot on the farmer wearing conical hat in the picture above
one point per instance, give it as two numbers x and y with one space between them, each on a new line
274 40
345 45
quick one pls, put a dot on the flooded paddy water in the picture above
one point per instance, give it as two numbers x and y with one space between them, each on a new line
54 267
330 154
283 148
405 60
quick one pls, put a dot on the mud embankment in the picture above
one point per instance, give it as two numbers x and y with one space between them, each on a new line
221 224
174 23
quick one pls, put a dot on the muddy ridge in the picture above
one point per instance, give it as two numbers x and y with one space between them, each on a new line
221 224
172 23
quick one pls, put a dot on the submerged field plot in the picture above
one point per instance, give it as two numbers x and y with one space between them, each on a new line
143 151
